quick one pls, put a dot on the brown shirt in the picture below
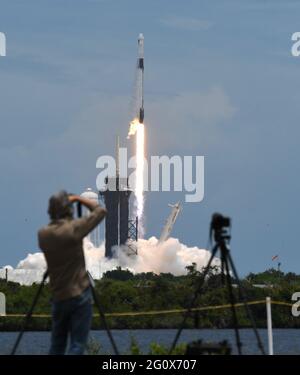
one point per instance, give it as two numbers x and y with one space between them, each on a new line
61 241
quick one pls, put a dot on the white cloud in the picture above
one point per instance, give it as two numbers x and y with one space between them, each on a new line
169 257
186 23
190 118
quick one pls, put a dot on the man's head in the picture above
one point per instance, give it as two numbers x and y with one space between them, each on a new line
60 206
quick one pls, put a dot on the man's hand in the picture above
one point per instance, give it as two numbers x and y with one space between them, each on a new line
90 204
74 198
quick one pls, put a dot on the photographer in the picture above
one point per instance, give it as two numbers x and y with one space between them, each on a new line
62 244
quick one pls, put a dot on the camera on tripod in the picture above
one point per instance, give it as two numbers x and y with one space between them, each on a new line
220 226
220 222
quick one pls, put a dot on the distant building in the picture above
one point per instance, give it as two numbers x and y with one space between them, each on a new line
94 236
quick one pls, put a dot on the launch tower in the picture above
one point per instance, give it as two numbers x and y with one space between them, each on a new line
118 227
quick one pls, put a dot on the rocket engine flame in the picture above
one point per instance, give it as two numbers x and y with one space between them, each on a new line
139 186
133 127
136 128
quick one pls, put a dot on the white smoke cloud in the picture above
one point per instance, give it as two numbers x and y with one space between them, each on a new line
170 256
33 262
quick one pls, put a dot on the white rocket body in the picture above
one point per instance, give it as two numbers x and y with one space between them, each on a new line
141 72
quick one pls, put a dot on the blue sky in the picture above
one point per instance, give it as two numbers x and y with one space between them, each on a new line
220 81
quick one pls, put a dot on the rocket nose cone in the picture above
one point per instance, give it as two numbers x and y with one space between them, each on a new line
141 36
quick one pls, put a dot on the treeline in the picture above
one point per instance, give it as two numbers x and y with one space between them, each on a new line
121 291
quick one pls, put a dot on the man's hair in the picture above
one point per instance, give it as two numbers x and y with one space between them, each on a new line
60 206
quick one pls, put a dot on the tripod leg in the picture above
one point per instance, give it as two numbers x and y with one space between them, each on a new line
249 313
28 316
222 268
194 298
232 302
101 313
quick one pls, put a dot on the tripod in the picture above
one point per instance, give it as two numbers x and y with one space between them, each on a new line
222 239
34 302
28 315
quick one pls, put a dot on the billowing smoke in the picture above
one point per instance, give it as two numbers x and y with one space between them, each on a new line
170 256
33 262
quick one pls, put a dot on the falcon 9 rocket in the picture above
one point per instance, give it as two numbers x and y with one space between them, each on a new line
141 68
136 128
